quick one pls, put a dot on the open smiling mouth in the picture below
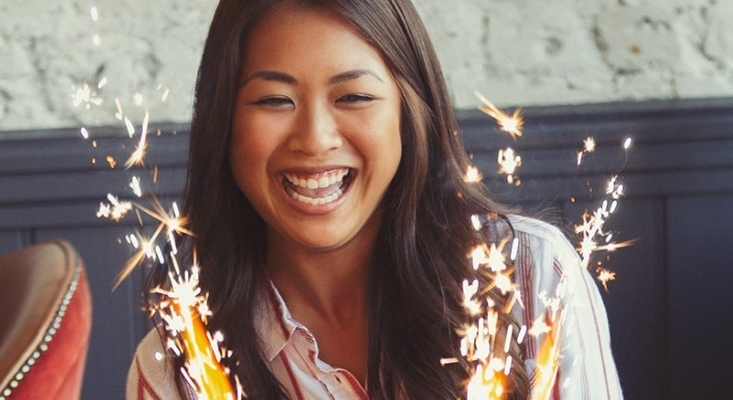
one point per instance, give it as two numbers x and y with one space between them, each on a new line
318 189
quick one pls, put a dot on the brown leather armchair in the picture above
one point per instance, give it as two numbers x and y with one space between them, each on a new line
45 321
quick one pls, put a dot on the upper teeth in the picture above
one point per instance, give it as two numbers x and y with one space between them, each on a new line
329 179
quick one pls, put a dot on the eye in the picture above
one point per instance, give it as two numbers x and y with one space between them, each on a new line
274 101
355 99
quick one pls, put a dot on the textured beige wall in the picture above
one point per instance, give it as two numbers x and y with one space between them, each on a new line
516 52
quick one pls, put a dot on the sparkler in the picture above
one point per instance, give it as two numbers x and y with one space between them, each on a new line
180 304
479 339
548 359
185 311
182 307
591 229
482 343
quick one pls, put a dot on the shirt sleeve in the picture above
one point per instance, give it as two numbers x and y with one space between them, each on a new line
586 366
150 376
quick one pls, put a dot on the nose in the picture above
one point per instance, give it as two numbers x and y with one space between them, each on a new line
316 131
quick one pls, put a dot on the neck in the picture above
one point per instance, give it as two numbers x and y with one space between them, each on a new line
330 284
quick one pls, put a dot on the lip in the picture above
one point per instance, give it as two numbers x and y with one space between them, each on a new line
311 209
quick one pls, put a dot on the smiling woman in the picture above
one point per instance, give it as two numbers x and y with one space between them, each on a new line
315 140
332 224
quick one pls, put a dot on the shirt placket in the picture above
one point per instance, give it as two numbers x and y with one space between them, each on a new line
332 380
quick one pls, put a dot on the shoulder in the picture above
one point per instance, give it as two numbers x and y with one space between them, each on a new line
547 264
151 374
536 229
545 243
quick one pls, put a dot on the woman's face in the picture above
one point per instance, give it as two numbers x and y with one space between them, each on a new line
316 129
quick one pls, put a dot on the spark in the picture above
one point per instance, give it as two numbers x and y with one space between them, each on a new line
614 188
589 146
473 174
483 255
138 99
85 96
115 209
136 187
503 282
169 221
130 127
496 260
165 91
604 276
94 14
118 107
511 124
84 133
137 157
508 163
469 291
476 222
521 334
613 246
591 229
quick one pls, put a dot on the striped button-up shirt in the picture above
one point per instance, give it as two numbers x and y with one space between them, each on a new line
550 279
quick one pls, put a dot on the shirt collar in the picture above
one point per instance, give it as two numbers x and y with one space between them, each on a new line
273 321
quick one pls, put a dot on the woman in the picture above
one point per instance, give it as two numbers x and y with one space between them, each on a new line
332 220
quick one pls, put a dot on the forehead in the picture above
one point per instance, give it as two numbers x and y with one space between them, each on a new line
293 35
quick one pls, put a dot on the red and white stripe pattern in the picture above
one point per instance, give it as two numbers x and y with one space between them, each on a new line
545 261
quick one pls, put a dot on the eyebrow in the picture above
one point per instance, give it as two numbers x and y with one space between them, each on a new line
270 76
353 74
285 78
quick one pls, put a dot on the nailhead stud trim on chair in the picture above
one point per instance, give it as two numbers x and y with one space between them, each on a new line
47 338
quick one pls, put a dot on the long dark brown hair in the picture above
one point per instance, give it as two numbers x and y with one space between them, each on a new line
421 257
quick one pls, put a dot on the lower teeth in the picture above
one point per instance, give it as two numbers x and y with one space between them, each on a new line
318 201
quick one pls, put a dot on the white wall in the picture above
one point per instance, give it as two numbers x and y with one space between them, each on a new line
516 52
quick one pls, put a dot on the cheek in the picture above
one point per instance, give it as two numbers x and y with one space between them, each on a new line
248 155
379 130
253 141
388 133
